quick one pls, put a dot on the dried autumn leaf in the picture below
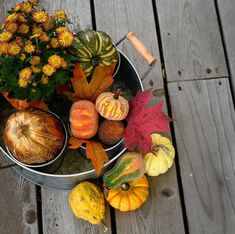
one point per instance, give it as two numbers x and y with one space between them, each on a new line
100 81
94 151
143 121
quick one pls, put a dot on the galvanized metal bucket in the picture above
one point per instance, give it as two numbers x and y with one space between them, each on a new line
49 177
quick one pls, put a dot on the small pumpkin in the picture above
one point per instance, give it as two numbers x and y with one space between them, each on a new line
130 195
112 106
162 156
87 202
83 119
130 166
92 48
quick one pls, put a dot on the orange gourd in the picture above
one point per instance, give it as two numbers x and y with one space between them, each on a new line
83 119
112 106
129 196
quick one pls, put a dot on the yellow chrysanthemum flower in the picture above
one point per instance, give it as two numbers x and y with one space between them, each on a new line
22 19
44 79
66 38
25 74
35 60
40 16
14 49
35 36
61 29
11 26
22 83
36 69
26 7
60 14
36 29
33 2
48 70
48 25
23 57
4 48
19 41
17 8
64 63
55 61
5 36
29 47
54 42
12 17
44 37
24 28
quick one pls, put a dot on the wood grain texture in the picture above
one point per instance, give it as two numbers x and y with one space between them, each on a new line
17 204
160 214
191 39
18 197
205 132
58 218
227 16
118 18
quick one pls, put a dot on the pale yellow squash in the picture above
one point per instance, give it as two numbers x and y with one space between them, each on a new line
161 158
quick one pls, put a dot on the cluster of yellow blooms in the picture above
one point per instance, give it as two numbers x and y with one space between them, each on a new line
27 34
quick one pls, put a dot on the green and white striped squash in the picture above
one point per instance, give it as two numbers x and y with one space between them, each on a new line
92 48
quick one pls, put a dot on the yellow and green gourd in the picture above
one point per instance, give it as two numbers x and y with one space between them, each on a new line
92 48
130 166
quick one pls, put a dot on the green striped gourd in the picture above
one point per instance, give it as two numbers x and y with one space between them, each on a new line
129 167
92 48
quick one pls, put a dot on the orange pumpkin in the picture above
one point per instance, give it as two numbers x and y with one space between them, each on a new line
112 106
129 196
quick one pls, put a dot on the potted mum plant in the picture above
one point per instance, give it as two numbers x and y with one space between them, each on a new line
33 54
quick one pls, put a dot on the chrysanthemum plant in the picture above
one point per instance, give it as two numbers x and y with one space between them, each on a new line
33 52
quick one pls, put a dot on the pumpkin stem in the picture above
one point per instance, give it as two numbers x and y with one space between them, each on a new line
105 226
125 186
117 93
156 148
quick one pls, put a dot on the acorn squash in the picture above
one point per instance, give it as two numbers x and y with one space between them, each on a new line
92 48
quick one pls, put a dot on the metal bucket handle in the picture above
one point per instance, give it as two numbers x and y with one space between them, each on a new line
142 50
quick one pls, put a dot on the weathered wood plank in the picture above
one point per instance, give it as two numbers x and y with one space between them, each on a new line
118 18
18 197
58 218
205 132
227 16
160 214
17 204
191 39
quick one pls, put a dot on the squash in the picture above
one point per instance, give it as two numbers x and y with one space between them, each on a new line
112 106
33 135
87 202
83 119
92 48
162 156
130 166
129 196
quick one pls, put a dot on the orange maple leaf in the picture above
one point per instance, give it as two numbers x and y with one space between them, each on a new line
100 81
94 151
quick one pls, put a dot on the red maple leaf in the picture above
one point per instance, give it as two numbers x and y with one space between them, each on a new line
143 121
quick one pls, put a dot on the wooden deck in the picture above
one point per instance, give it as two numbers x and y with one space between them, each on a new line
194 41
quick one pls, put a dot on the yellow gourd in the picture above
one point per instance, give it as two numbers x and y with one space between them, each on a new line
87 202
162 156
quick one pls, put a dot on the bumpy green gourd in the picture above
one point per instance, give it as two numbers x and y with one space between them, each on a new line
130 166
92 48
